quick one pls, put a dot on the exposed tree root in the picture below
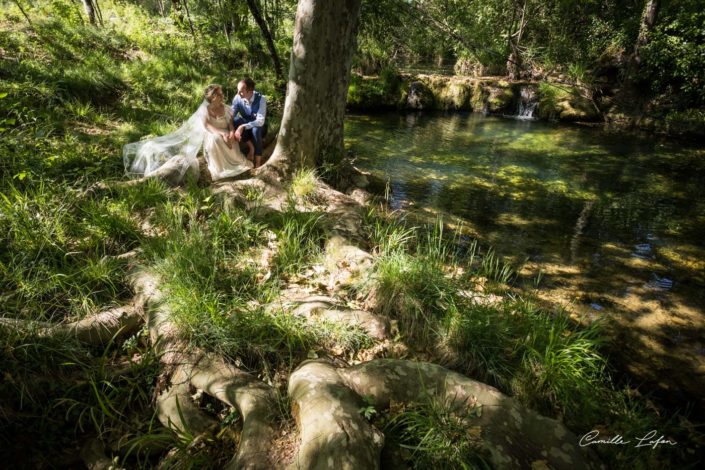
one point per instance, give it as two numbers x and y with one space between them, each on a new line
333 432
176 409
94 330
94 457
254 399
327 400
325 308
183 365
512 435
345 262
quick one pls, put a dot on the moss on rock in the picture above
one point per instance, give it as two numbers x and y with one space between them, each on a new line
565 103
451 93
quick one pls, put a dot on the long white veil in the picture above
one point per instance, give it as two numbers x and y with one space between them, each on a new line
177 150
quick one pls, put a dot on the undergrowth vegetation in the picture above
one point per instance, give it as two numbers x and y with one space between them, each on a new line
456 303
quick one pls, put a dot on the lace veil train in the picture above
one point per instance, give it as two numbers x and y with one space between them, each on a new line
175 152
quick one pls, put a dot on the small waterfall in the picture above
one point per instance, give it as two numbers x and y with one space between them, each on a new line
527 103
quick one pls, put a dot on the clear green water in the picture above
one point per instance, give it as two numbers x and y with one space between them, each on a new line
615 223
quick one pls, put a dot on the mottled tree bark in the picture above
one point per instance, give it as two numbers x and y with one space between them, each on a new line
312 125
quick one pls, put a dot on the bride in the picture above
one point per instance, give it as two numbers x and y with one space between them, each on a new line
174 155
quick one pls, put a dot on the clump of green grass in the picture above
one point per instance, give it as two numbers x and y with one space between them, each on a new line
410 277
303 183
543 359
492 267
300 237
430 436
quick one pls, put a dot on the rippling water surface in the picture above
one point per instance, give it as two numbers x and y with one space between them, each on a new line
615 223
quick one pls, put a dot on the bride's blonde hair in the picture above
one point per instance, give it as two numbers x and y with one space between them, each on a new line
210 91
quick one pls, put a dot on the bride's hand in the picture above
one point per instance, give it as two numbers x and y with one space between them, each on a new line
227 140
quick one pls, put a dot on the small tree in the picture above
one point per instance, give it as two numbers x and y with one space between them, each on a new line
92 11
259 19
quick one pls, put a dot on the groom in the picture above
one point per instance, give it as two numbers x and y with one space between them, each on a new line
249 110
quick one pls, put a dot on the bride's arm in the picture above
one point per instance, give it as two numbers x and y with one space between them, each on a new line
213 130
231 127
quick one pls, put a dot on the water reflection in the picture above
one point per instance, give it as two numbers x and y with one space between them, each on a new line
611 221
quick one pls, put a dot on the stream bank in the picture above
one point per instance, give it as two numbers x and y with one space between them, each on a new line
553 101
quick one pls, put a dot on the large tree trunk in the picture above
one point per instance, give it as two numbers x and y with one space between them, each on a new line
254 9
312 125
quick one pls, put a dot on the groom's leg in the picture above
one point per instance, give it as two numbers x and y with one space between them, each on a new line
249 139
257 137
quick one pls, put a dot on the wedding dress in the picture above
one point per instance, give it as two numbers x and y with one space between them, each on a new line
223 161
173 156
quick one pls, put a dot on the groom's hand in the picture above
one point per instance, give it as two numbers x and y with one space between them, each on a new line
238 133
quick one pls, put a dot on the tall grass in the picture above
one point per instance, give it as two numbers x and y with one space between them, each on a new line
58 251
430 436
428 280
300 237
56 392
303 183
70 96
543 359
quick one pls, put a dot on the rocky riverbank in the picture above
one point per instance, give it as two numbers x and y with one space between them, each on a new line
556 101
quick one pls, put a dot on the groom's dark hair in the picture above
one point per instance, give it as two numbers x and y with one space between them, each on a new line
249 83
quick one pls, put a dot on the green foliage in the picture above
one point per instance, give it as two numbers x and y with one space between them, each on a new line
56 257
689 121
549 96
55 391
384 91
674 58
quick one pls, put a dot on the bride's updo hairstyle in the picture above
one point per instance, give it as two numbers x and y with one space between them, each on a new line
211 90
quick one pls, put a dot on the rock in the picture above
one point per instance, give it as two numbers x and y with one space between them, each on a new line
566 103
361 196
419 96
578 109
176 170
500 99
